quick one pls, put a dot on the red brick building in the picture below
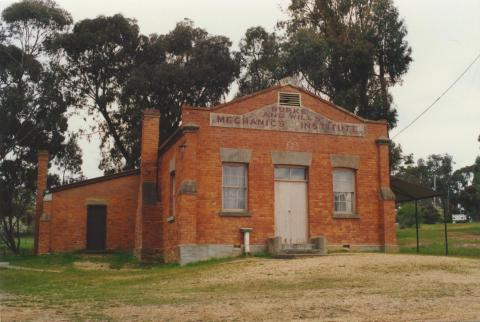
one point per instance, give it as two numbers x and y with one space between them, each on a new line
282 162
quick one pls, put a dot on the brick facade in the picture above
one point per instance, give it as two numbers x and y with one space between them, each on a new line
192 157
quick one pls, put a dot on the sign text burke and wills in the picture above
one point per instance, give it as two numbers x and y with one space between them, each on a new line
290 119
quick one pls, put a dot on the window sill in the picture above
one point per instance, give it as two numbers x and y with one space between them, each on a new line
234 213
345 216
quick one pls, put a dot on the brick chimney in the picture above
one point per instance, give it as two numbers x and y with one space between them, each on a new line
42 172
148 222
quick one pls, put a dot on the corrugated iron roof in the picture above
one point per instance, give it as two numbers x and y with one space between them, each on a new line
409 191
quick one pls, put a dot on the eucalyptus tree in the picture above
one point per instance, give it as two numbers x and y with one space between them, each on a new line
33 108
117 72
261 61
469 192
351 51
187 66
98 57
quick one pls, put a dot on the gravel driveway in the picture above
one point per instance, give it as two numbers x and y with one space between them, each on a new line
339 287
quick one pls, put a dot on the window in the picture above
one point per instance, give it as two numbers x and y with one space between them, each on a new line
291 173
344 191
172 193
234 186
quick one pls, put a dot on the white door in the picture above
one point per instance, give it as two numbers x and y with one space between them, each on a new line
291 204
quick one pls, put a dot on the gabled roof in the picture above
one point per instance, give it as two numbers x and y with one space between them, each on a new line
278 87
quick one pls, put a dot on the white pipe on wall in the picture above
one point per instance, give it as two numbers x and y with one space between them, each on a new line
246 240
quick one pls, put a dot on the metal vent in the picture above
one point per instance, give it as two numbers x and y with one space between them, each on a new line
289 99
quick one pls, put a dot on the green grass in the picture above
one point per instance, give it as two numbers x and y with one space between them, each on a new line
135 285
26 246
463 239
115 260
26 258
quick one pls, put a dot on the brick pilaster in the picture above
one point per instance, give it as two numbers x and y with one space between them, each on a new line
187 191
44 228
387 201
148 222
42 173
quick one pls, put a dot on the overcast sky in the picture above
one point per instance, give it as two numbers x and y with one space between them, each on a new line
444 36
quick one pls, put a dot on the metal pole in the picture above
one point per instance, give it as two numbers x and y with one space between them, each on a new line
445 220
416 225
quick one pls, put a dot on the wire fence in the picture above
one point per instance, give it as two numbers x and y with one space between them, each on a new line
463 239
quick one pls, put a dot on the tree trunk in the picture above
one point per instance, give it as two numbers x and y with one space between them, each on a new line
129 163
383 82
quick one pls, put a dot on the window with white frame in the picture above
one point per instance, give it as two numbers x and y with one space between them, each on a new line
344 191
234 186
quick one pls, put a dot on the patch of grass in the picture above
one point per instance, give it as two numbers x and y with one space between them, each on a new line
262 255
26 246
26 258
116 260
90 316
78 285
48 261
463 239
73 285
124 259
411 268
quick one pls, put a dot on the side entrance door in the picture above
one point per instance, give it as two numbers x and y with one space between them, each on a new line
291 204
96 227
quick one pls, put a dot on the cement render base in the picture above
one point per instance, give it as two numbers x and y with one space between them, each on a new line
200 252
191 253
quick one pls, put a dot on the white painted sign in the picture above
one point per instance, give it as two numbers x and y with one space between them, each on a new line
290 119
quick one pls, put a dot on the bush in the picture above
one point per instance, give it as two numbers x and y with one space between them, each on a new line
431 215
406 215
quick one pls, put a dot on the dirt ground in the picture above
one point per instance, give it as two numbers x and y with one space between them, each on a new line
340 287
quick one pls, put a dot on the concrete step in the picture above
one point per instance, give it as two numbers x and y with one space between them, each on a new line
298 246
299 251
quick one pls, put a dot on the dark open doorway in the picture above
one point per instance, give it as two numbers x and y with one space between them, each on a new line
96 227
